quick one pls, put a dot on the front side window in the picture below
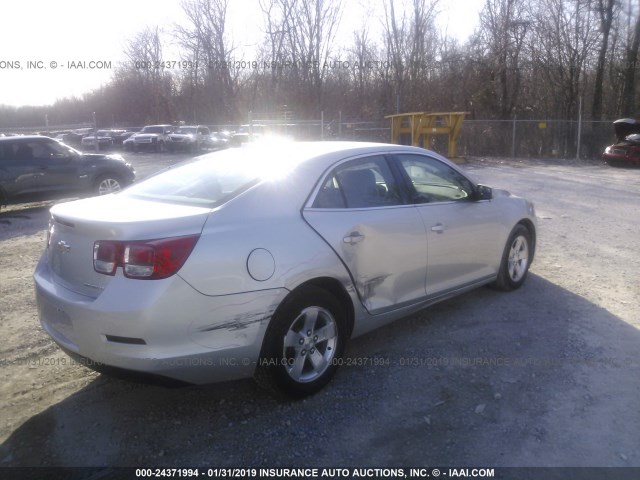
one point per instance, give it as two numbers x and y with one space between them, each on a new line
361 183
434 181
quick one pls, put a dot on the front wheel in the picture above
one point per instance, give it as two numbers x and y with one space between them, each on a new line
303 344
515 259
108 184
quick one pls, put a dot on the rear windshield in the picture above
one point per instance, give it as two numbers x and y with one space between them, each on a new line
207 182
152 130
186 130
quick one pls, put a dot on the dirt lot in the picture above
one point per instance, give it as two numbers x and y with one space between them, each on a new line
545 376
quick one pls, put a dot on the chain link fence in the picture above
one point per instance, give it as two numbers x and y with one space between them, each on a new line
491 138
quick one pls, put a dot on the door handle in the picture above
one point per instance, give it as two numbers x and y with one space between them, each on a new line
438 228
353 238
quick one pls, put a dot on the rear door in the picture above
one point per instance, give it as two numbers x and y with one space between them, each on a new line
359 212
18 174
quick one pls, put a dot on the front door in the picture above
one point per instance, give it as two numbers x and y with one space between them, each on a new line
462 233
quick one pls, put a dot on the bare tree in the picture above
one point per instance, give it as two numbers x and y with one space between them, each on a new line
606 10
150 86
278 17
206 39
410 43
629 106
311 33
566 33
503 27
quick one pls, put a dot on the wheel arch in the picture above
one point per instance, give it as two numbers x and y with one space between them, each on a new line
272 374
337 289
328 284
529 225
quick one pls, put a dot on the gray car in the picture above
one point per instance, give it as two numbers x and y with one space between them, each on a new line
37 167
263 261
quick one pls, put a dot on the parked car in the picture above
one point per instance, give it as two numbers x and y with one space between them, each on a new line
120 138
192 138
153 137
263 261
219 140
626 151
40 167
72 138
239 138
128 144
106 139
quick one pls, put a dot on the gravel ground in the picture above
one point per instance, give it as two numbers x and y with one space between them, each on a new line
544 376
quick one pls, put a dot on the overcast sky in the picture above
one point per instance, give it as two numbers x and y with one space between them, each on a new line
51 34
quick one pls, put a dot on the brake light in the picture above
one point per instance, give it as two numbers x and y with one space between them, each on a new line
147 259
106 257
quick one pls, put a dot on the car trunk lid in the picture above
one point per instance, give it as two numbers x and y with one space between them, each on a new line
76 226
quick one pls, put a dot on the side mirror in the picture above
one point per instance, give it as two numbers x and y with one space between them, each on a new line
483 192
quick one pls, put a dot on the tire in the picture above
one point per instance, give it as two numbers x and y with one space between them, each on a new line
305 339
108 184
515 260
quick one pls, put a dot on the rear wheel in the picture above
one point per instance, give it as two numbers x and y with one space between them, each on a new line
303 343
515 259
108 184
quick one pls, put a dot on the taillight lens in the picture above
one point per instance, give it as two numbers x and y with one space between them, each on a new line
148 259
106 256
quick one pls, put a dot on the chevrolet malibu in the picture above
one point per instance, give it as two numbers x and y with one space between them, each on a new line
263 261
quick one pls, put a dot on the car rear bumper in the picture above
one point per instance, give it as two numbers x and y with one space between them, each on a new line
161 327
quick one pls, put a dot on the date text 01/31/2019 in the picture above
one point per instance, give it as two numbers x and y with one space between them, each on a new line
256 65
315 472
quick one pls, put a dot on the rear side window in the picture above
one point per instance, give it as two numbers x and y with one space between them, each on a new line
361 183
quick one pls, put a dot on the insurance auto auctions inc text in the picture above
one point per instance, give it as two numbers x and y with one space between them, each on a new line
374 472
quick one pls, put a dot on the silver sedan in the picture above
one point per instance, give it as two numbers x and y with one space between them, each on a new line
263 261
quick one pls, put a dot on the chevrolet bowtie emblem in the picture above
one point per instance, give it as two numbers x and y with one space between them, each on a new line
63 247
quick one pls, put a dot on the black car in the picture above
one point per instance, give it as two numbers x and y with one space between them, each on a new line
40 167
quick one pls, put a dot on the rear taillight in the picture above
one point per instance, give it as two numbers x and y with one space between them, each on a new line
106 256
147 259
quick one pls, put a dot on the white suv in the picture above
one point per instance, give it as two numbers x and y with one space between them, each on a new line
191 138
152 137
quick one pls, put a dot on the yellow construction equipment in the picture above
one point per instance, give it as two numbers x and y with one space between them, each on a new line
426 125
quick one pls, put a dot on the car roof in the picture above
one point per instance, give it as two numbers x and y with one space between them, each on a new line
317 156
24 138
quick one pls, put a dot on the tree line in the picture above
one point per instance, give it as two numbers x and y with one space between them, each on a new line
541 59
